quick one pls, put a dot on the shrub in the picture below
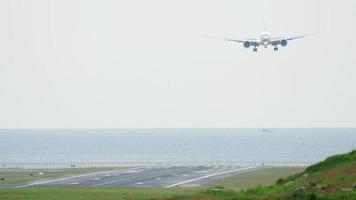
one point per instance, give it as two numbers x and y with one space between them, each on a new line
280 181
219 191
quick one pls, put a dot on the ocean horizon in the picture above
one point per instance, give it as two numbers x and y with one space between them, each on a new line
289 145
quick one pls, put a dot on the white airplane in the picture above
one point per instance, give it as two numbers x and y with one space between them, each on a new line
266 39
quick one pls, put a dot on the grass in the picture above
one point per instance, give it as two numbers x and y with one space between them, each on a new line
332 166
332 161
85 193
263 177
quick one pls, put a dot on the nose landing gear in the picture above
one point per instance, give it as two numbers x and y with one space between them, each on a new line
275 49
255 49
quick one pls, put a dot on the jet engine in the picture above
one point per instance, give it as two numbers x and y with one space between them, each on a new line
247 44
284 42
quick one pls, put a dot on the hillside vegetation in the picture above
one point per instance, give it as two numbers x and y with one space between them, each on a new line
332 178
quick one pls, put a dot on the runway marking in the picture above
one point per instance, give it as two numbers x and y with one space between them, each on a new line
139 183
105 183
208 176
74 183
109 182
201 171
66 178
131 171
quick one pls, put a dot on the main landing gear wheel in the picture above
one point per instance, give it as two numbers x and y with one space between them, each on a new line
255 49
275 49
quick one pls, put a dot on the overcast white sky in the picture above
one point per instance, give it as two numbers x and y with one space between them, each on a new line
142 64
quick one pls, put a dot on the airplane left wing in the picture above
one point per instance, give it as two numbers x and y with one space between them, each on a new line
284 40
279 39
305 35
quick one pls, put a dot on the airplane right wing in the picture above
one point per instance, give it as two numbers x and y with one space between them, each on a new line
247 42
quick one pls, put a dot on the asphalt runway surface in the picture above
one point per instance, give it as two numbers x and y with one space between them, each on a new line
167 177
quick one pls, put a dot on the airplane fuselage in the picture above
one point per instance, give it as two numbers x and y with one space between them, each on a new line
265 39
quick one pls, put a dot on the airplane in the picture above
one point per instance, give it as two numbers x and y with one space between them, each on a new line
266 40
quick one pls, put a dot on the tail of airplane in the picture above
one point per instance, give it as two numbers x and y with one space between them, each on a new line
264 26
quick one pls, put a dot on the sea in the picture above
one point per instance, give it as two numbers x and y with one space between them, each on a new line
174 145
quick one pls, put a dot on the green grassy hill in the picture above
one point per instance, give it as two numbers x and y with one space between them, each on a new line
330 179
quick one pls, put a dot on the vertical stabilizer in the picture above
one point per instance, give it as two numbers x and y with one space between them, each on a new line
264 26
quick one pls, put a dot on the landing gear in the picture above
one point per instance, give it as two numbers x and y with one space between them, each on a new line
275 49
255 49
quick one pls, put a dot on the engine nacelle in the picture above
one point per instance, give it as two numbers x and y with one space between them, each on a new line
247 44
284 42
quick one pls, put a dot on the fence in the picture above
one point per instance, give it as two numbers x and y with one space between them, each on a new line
148 164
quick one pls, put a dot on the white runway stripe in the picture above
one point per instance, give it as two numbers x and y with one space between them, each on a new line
104 183
208 176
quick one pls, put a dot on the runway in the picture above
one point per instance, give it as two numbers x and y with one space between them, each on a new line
167 177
